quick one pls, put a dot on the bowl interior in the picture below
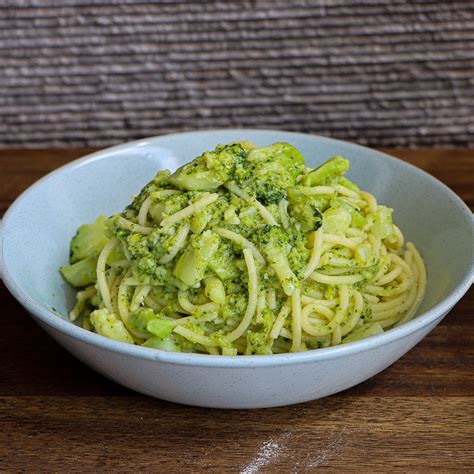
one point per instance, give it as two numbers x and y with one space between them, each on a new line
37 231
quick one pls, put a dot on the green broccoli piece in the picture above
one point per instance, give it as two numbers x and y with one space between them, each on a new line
210 170
214 290
247 146
145 252
81 273
233 311
299 255
358 220
268 192
306 208
286 155
194 261
108 325
169 344
161 328
336 219
334 167
343 181
89 240
382 226
275 244
138 321
271 170
258 343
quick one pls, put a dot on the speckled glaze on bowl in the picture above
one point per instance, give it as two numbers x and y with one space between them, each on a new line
40 223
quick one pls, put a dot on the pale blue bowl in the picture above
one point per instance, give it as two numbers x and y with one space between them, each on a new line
39 225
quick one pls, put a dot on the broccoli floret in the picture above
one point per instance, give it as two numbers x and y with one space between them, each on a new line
382 226
161 328
89 240
334 167
233 311
258 343
210 170
275 244
138 321
342 180
167 296
81 273
247 146
169 344
146 252
268 192
194 261
142 247
108 325
357 219
223 262
298 256
211 216
270 170
286 155
169 204
309 216
336 219
307 209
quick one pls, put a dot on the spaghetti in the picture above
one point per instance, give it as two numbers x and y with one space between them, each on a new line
246 251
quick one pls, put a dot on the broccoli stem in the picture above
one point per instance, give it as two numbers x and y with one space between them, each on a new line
279 263
335 166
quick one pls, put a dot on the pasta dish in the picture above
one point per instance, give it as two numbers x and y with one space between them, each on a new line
242 251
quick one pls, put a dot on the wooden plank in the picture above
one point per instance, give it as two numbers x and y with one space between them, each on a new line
135 433
94 73
58 415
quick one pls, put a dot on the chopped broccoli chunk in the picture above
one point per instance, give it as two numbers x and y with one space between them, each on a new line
138 321
306 208
210 170
271 170
223 262
357 220
194 261
108 325
214 290
382 226
342 180
334 167
168 344
275 243
286 155
336 219
81 273
267 193
161 328
89 240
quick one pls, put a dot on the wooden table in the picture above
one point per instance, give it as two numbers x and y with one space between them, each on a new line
56 414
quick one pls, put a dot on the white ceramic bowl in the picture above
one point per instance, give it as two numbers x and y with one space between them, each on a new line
39 225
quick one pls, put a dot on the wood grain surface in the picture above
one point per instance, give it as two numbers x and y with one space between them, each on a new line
58 415
97 72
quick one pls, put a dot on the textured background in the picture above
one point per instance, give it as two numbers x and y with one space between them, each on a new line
94 73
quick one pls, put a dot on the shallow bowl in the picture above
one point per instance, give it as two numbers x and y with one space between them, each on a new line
37 229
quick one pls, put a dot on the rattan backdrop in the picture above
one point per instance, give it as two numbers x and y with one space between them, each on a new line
97 72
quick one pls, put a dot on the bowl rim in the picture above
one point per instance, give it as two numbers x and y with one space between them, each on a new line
48 317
